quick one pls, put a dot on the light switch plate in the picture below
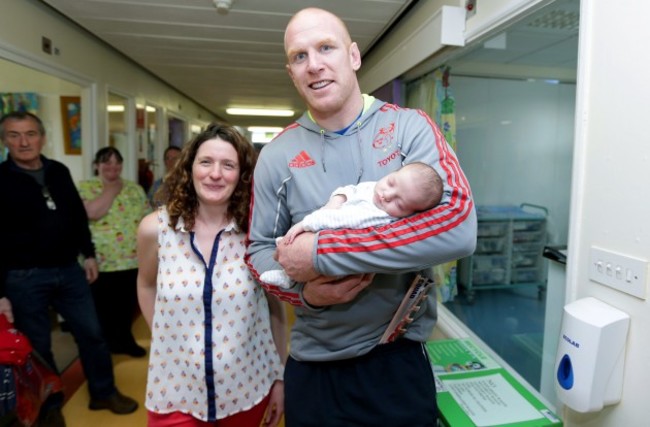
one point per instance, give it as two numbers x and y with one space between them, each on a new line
619 271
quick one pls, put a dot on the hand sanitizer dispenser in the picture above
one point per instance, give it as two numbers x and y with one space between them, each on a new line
590 355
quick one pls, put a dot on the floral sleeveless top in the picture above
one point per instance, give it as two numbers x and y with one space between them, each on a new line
212 351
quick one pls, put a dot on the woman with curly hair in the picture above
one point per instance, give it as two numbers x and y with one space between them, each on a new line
218 341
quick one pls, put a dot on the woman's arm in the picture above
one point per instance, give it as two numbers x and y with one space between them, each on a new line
147 265
279 330
275 409
99 206
278 325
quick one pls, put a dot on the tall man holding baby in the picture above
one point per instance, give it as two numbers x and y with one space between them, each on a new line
349 282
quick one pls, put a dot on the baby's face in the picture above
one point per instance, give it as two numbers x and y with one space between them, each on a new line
395 194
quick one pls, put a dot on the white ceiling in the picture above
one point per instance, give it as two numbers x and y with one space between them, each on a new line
221 60
237 59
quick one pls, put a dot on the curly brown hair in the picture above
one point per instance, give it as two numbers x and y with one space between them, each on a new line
182 201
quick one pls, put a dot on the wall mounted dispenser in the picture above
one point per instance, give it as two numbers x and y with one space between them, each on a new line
591 355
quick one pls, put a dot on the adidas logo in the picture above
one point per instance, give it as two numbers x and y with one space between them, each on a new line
302 160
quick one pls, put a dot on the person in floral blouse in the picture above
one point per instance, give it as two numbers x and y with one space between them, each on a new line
115 207
218 342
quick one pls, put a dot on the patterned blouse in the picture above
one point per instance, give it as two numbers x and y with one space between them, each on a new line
115 234
212 351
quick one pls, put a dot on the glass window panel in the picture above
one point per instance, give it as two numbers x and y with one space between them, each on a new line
514 140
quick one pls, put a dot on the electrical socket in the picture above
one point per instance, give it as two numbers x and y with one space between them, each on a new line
622 272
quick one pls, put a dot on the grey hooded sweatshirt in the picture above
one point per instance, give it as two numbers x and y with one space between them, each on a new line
295 174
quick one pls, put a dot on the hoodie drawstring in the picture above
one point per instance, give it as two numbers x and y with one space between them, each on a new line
360 173
359 142
322 149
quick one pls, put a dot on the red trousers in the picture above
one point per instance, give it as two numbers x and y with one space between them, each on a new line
252 418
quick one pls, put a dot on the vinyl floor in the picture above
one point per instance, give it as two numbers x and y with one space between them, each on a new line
130 378
511 322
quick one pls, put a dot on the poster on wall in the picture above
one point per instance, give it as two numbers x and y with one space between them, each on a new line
71 123
19 101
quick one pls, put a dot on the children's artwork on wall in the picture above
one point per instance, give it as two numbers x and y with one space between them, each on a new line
71 121
18 101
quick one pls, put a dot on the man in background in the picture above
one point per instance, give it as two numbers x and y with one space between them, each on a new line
171 155
45 230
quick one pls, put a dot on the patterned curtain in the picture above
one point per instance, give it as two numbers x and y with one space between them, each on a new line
432 94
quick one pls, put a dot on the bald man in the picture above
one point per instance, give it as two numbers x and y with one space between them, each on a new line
348 283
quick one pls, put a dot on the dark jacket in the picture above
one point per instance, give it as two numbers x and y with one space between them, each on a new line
31 234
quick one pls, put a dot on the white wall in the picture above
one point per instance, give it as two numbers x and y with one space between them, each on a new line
515 143
610 205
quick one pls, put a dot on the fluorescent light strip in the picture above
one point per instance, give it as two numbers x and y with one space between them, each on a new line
259 112
148 108
120 108
264 129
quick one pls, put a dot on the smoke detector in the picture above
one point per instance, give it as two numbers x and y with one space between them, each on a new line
223 6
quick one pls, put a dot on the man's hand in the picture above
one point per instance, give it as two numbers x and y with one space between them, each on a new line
92 270
5 308
296 258
325 290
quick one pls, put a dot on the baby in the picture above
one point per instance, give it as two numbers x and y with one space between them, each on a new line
414 187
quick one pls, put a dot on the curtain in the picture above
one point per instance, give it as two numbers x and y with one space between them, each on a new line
432 94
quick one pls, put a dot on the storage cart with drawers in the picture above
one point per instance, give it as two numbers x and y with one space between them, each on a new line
509 246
